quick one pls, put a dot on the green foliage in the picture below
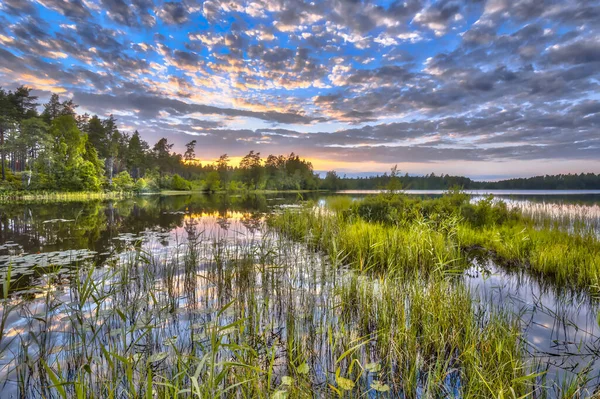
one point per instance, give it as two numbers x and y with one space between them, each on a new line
162 155
251 170
69 164
212 183
124 182
582 181
137 155
332 181
235 186
180 184
141 186
13 182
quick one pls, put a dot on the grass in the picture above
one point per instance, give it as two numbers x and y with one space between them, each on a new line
355 299
566 258
399 234
60 196
253 318
365 246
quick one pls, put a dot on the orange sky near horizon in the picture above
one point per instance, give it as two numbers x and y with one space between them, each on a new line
473 169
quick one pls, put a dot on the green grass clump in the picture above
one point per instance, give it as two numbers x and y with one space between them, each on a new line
395 233
430 337
567 259
418 246
62 196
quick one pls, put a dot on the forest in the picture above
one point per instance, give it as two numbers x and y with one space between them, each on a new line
63 151
59 150
582 181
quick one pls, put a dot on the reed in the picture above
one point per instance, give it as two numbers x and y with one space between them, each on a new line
317 302
60 196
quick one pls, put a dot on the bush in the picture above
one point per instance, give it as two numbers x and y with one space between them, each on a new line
397 208
180 184
123 182
212 182
14 181
384 208
234 186
152 185
141 186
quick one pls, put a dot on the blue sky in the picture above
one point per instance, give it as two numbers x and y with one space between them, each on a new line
481 88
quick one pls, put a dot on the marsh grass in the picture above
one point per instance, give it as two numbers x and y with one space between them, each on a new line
256 317
567 258
316 303
401 233
60 196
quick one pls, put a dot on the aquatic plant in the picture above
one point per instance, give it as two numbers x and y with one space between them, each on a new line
317 302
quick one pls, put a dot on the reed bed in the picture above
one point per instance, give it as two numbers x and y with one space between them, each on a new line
354 299
255 316
398 234
61 196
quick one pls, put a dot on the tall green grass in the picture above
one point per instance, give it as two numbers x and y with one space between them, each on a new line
57 196
340 301
396 233
566 258
261 317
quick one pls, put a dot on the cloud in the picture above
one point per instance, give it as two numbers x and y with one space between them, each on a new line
439 16
150 106
134 14
17 7
354 81
74 9
173 13
578 52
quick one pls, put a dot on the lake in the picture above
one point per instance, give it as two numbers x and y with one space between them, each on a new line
212 262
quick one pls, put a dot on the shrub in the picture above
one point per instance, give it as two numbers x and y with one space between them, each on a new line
152 185
212 182
234 186
123 182
141 186
13 182
180 184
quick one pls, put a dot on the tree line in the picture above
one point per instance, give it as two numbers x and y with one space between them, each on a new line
61 150
582 181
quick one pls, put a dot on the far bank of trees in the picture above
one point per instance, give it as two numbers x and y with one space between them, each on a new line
582 181
59 150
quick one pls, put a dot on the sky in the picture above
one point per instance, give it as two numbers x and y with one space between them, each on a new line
482 88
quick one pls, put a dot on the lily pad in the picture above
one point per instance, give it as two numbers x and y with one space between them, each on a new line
379 386
373 367
345 383
157 357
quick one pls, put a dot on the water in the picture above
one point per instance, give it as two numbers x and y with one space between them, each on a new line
498 193
560 326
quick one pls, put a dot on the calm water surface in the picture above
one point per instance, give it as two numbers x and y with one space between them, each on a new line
560 326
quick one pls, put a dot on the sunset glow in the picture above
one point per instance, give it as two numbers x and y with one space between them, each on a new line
480 88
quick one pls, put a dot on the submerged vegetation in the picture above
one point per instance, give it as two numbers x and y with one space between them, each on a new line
349 298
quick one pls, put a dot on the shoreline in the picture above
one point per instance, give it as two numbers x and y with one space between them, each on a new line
89 196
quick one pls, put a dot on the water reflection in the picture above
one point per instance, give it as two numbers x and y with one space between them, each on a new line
560 326
276 291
